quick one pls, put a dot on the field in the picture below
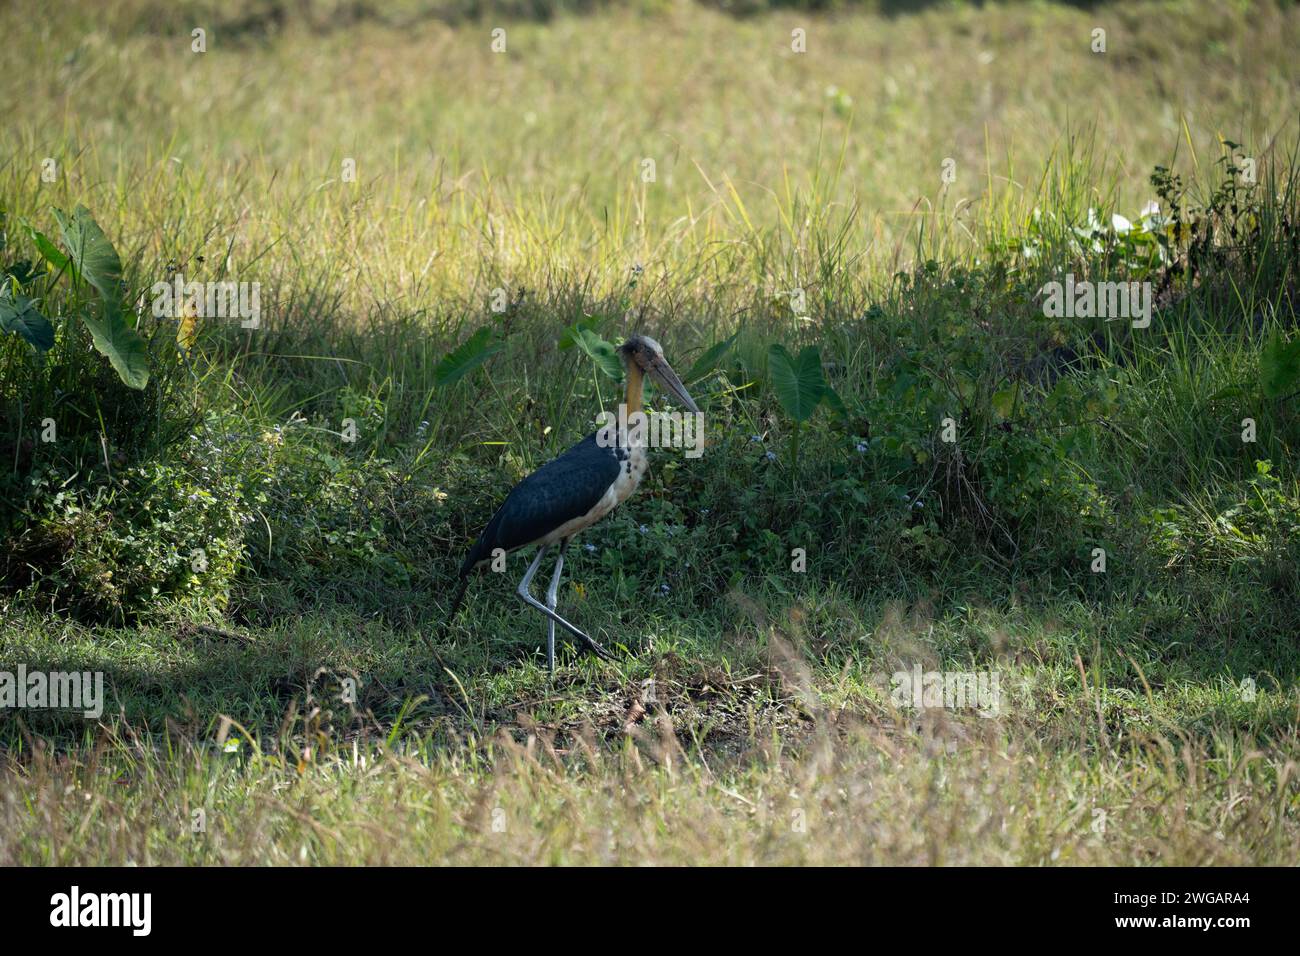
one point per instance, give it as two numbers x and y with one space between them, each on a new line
252 530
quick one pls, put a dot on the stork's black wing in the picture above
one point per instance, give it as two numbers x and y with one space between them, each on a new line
559 491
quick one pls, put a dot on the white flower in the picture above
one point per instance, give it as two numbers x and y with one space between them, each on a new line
1151 218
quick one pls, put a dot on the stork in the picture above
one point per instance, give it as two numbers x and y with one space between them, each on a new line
574 491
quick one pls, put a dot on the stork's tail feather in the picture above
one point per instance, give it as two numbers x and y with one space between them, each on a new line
456 602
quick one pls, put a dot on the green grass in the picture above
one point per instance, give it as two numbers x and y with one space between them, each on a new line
748 718
730 769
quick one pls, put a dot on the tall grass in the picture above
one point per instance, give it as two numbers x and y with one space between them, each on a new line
860 801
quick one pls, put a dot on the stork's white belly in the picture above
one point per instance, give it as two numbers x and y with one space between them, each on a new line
631 471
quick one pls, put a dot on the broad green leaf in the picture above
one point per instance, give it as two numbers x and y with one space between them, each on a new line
18 314
51 253
466 357
25 272
1279 366
91 256
798 382
833 400
705 363
591 323
601 352
116 340
91 252
1004 401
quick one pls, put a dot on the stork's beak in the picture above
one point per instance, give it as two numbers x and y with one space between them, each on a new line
667 379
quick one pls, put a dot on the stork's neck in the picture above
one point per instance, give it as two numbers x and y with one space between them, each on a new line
632 398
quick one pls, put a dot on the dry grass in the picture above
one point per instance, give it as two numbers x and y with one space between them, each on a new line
476 169
858 793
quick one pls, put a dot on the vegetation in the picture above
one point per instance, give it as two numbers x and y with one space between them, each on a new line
916 458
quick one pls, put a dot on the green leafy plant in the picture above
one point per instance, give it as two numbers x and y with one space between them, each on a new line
1279 366
18 314
592 323
602 352
800 387
466 357
711 357
88 256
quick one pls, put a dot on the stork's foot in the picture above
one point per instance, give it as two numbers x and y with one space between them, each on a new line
588 645
593 648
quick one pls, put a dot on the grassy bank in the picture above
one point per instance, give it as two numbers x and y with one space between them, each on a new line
256 548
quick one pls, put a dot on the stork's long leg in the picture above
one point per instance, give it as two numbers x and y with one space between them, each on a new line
552 595
531 601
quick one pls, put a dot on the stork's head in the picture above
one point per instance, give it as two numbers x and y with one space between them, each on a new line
647 355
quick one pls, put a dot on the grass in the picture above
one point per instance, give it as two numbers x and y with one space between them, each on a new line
300 691
784 764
